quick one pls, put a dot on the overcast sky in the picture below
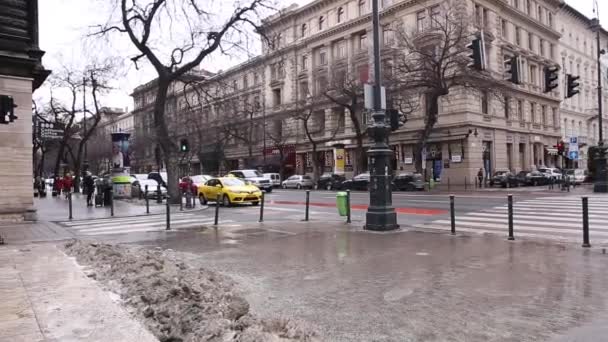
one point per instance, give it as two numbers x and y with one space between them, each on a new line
64 25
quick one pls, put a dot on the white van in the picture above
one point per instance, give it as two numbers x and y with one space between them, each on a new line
275 178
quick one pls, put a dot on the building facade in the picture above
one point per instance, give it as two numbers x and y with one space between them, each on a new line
578 53
310 45
21 72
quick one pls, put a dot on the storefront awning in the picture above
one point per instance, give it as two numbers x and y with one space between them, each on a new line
551 151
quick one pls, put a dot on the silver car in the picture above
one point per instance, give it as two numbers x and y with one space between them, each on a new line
297 182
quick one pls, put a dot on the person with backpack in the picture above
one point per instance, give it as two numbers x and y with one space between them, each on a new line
89 188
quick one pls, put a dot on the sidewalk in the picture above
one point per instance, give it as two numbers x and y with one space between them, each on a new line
46 297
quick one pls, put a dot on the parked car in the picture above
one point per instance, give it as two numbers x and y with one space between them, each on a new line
522 178
199 180
255 177
538 178
231 190
160 177
139 182
503 178
359 182
409 182
551 173
275 178
577 176
329 181
297 182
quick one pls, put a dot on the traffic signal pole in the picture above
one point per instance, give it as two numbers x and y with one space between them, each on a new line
381 215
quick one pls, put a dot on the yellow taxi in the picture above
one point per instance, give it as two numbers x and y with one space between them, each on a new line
231 190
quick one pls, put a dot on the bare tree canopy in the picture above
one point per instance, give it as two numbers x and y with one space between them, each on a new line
195 35
434 60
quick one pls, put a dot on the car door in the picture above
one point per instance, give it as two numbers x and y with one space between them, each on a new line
210 189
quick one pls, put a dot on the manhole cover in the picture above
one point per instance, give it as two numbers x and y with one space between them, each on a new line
249 231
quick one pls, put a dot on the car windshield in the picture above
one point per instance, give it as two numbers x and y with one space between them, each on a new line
232 182
252 173
569 172
306 177
199 179
500 173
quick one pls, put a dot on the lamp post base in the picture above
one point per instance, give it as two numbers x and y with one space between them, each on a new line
601 182
384 219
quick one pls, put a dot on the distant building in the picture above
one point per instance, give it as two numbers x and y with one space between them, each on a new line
21 72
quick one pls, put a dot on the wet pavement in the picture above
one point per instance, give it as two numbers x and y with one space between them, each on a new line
409 286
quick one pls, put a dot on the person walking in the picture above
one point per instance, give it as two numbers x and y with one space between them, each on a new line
67 184
480 177
89 188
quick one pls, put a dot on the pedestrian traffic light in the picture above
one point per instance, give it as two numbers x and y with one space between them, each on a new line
394 118
560 148
571 85
513 69
551 76
7 109
478 53
183 146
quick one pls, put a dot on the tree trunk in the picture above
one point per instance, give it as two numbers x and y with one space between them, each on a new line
59 158
168 147
360 157
431 120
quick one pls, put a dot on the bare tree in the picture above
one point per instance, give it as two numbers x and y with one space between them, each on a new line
144 25
435 61
280 135
312 118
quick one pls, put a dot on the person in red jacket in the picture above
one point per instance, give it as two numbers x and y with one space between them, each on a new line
67 184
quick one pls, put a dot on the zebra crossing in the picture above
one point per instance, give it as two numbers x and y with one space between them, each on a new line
138 224
546 217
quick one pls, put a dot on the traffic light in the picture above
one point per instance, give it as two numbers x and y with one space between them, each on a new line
394 118
183 146
513 69
560 148
7 109
571 85
551 77
478 54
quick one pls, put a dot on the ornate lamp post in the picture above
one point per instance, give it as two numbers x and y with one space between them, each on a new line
380 214
601 183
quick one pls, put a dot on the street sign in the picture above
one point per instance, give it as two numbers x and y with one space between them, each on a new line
573 155
424 158
573 148
50 131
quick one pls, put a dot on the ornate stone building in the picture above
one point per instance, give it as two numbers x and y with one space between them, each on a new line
578 53
21 73
312 44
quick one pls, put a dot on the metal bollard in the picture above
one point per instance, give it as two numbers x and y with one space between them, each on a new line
586 243
188 199
307 204
70 204
262 208
147 201
112 202
348 206
510 217
217 210
181 202
168 214
159 194
452 216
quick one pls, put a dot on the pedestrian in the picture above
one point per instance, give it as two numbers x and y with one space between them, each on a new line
89 188
67 184
480 177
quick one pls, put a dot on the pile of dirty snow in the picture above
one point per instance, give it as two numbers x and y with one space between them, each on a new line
177 302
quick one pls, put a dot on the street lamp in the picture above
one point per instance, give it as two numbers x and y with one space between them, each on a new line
380 214
600 184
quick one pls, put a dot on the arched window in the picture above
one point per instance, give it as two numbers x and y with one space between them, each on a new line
321 22
340 15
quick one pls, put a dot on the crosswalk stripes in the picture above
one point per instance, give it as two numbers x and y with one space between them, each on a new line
547 217
134 224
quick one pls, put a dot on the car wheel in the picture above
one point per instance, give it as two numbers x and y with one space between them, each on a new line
269 190
226 201
328 187
299 186
202 199
255 203
284 186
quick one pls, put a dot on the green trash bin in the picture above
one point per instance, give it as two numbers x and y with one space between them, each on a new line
341 203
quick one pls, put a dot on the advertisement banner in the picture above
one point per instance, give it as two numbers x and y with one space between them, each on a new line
120 151
339 161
